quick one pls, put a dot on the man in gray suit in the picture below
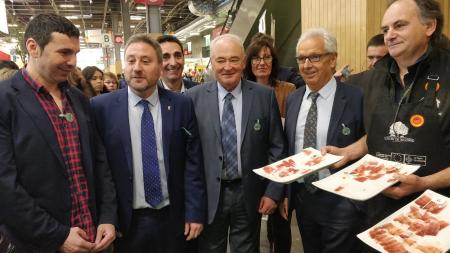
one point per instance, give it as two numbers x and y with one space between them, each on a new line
240 129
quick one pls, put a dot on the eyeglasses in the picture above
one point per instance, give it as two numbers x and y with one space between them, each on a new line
108 82
311 58
256 60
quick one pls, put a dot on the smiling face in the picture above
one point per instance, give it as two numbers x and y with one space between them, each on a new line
405 34
316 74
142 69
227 62
262 64
173 62
53 63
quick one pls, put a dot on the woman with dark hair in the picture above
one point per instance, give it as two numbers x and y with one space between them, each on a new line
77 79
94 77
262 67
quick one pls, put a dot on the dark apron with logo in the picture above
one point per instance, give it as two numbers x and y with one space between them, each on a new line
417 140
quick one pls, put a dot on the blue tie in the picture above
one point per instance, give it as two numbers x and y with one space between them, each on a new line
310 138
150 166
229 140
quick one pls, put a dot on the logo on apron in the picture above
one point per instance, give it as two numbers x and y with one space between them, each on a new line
398 132
417 120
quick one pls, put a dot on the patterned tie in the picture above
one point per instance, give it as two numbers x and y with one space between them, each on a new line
229 140
310 138
150 166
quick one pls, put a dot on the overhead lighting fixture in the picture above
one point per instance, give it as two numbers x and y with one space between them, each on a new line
78 26
14 40
136 17
12 25
132 26
141 8
194 33
67 5
79 16
210 26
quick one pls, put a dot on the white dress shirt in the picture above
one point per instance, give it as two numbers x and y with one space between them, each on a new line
182 90
135 114
324 107
237 108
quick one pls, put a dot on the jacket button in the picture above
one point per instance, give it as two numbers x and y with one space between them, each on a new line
220 158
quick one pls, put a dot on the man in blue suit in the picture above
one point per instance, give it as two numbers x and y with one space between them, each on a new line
323 112
152 145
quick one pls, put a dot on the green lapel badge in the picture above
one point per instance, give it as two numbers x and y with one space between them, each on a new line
345 130
257 125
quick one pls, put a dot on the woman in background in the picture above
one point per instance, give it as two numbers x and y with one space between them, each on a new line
110 82
77 79
94 77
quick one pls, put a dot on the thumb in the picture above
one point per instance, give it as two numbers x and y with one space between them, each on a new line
82 234
186 228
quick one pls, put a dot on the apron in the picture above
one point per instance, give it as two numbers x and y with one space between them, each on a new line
407 133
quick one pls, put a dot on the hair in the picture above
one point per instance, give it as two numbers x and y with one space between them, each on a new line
145 38
8 65
229 37
262 36
77 79
376 41
112 76
429 10
6 73
89 72
41 27
328 39
253 51
169 38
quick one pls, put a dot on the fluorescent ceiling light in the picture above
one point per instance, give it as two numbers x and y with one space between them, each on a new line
194 33
12 25
136 17
67 5
141 8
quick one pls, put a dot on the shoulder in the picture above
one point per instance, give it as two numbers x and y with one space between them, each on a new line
107 98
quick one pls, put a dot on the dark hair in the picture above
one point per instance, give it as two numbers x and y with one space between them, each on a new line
430 9
41 27
376 41
262 36
8 65
77 79
253 51
145 38
89 72
169 38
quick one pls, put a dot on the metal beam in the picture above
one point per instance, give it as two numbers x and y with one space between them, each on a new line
104 15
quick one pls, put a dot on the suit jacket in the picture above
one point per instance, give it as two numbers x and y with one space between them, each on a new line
347 110
181 148
259 147
34 184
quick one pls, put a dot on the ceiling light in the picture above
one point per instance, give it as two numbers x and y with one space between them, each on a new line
132 26
136 17
67 5
12 25
141 8
210 26
78 26
14 40
194 33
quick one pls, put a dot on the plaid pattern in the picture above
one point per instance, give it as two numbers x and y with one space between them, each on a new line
229 140
67 134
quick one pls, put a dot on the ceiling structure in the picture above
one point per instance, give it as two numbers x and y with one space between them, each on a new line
96 14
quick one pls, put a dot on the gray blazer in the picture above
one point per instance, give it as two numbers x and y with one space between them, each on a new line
259 146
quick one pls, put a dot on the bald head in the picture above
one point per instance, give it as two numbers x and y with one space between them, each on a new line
226 39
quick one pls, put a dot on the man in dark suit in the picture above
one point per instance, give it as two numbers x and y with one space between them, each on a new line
153 147
240 129
323 112
173 65
56 189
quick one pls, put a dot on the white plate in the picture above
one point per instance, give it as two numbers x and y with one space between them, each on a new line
368 183
437 237
297 166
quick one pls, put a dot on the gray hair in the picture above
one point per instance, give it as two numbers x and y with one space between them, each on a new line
328 38
228 37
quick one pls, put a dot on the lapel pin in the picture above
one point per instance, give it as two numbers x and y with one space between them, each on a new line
257 125
345 130
67 116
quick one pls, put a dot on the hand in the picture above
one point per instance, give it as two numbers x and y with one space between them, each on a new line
192 230
106 233
267 206
351 152
77 241
336 151
408 184
283 208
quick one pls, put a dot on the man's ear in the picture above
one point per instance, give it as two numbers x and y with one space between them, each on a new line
431 27
33 48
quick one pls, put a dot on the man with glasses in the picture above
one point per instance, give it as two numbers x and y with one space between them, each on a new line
173 65
323 112
240 130
406 105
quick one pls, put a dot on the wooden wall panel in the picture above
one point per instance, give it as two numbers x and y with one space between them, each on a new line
346 19
445 6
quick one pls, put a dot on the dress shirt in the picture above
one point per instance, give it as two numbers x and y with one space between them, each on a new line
135 114
324 108
237 108
182 90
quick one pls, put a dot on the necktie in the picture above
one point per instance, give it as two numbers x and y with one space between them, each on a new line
229 140
310 138
150 166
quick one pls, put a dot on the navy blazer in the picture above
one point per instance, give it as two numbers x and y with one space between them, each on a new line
181 148
34 184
